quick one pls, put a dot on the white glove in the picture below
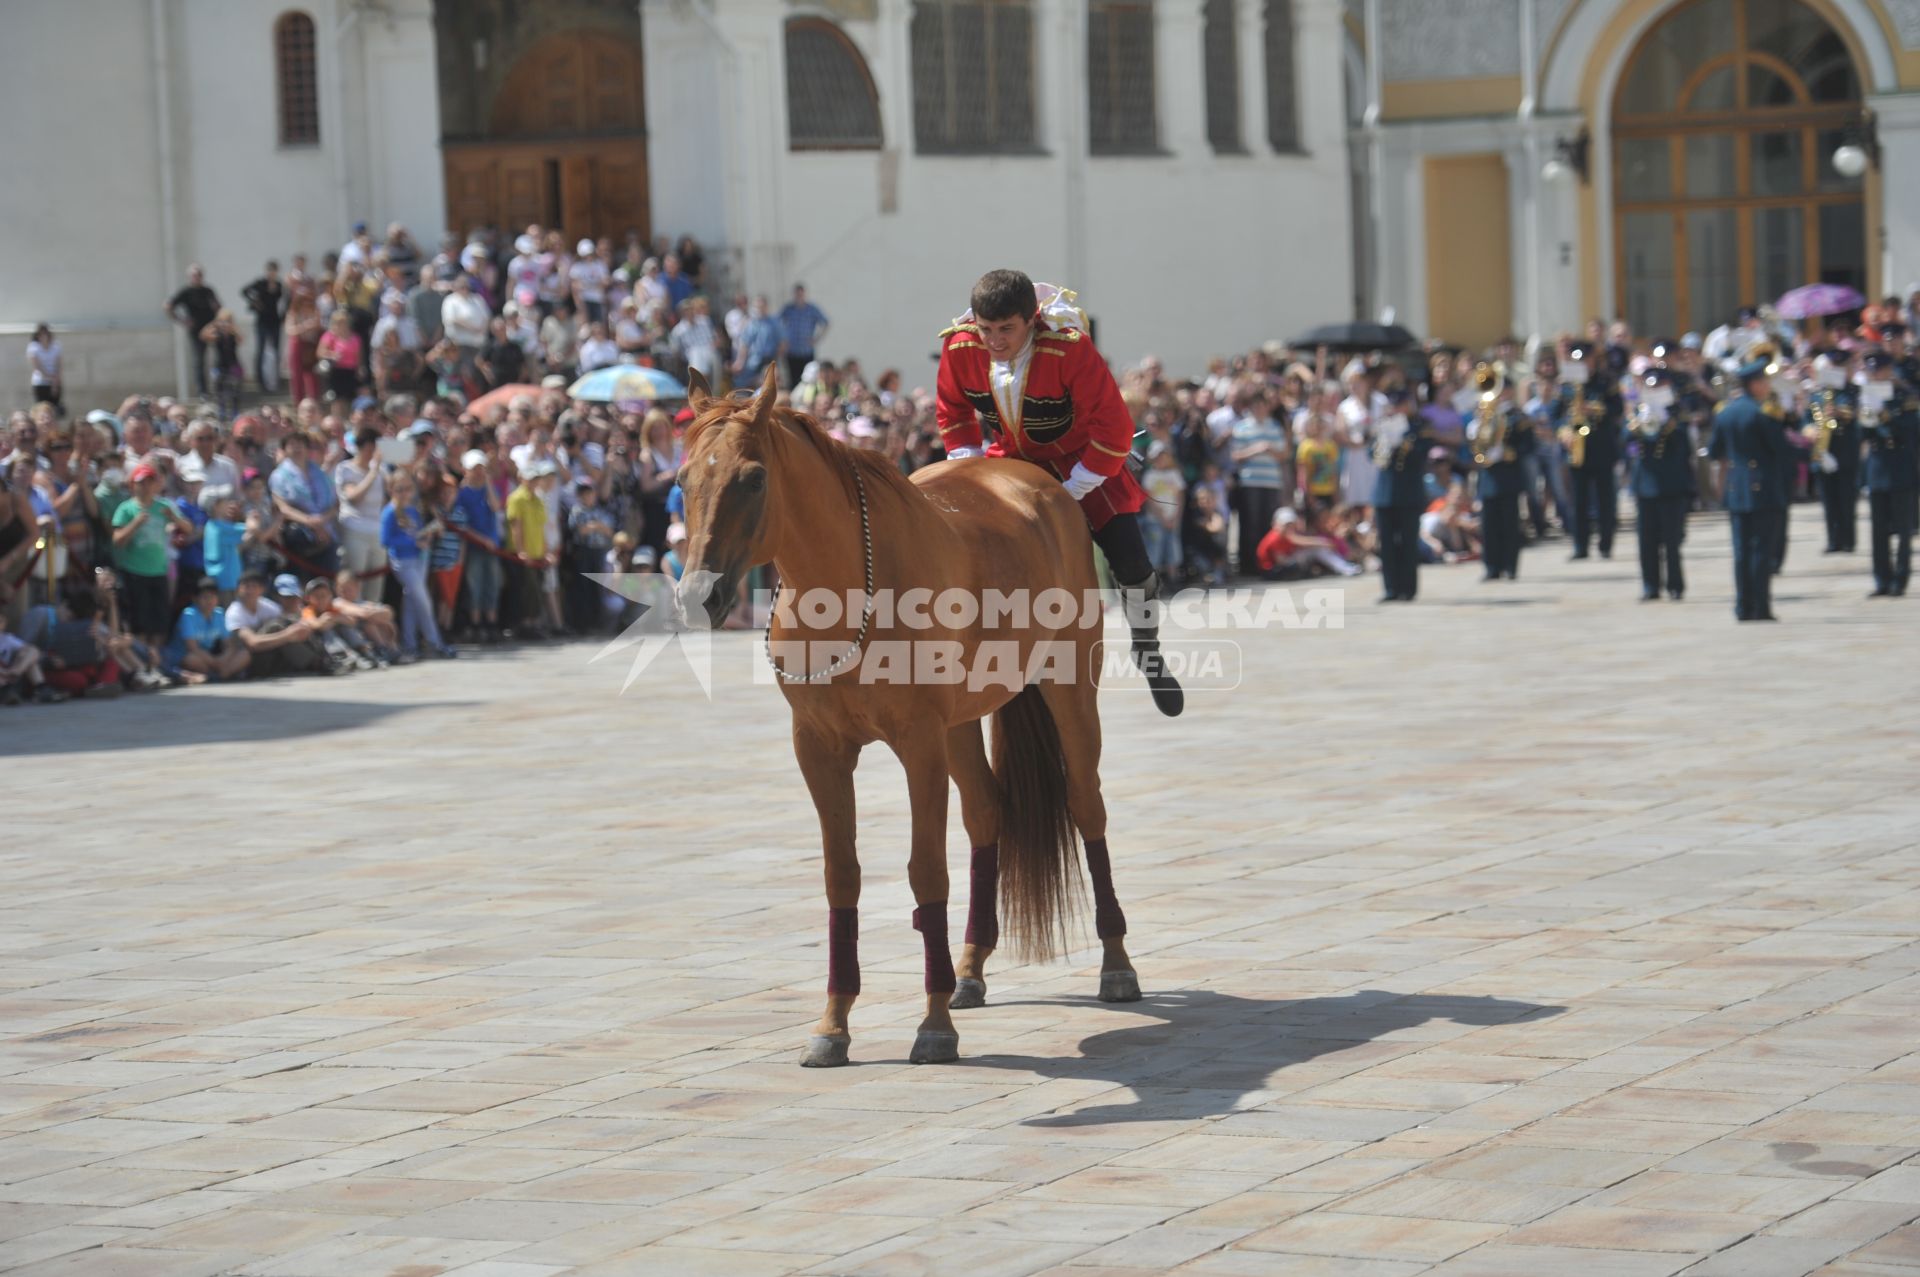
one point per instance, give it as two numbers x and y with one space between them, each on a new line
954 454
1829 464
1082 481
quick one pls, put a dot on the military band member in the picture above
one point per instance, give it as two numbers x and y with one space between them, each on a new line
1890 421
1662 484
1751 442
1587 416
1503 440
1833 441
1400 443
1784 403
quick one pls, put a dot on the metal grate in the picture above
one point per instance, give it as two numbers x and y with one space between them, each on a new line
299 84
831 102
1120 85
973 76
1283 116
1223 78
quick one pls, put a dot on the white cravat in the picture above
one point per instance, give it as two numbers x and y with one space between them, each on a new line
1009 384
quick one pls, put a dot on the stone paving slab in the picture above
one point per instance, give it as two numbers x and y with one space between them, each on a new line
1526 930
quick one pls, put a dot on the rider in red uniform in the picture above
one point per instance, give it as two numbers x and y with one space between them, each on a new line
1019 377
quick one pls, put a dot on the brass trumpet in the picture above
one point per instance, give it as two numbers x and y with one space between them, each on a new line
1489 422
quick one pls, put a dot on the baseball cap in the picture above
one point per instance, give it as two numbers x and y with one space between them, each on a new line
419 428
143 471
676 533
553 381
644 554
359 228
286 583
365 402
583 249
101 417
474 457
317 583
525 245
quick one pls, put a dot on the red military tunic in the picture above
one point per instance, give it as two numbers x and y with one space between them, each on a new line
1069 412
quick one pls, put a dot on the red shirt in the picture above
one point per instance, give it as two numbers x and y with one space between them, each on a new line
1070 412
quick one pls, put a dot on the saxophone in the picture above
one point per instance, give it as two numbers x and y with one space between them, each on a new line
1573 435
1824 422
1489 422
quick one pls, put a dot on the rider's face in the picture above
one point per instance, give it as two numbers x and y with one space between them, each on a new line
1005 338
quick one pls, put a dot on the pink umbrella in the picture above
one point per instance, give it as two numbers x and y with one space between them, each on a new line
1818 299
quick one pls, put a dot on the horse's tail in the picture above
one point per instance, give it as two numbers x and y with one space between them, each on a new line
1039 854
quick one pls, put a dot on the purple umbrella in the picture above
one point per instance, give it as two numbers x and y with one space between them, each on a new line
1819 299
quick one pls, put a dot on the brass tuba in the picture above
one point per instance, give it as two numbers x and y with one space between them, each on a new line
1489 422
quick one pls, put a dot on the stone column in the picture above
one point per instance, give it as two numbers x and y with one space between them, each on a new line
1319 58
1179 61
1250 54
1896 254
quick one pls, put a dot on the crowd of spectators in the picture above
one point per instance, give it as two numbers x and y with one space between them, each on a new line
379 504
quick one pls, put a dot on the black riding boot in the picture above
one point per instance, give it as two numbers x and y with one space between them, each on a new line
1143 620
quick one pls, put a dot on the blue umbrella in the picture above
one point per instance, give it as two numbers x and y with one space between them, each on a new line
624 383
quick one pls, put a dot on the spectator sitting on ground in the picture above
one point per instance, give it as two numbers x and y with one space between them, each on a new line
20 667
201 644
261 625
85 653
375 620
344 640
1287 551
1448 531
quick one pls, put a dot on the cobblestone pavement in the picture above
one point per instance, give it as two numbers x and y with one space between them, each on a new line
1526 930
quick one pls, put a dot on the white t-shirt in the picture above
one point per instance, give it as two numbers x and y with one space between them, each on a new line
598 353
362 515
408 330
239 618
464 319
590 278
45 361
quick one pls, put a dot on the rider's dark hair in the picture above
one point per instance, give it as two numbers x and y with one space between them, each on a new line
1004 294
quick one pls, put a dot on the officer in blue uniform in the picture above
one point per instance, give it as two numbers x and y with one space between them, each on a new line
1785 404
1400 495
1503 441
1751 441
1587 416
1662 483
1890 420
1833 434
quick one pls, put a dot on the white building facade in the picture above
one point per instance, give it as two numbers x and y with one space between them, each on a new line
1210 174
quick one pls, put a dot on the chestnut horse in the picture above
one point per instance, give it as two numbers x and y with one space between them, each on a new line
765 484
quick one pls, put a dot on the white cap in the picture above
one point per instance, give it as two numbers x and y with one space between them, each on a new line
525 245
583 249
473 458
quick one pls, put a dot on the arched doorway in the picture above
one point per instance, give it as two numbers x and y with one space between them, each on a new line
566 143
1724 194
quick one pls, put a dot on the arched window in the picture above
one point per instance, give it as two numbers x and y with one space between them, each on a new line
973 77
1723 192
293 57
831 102
1120 83
1222 69
1283 116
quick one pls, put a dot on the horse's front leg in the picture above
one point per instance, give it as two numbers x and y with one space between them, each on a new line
827 763
924 755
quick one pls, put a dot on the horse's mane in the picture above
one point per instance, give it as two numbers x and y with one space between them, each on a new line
873 466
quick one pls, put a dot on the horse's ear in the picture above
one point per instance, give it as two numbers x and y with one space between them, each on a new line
698 391
763 402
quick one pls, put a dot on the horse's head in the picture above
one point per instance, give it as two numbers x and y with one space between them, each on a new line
727 484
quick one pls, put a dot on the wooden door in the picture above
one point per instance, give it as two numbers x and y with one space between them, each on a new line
620 194
576 197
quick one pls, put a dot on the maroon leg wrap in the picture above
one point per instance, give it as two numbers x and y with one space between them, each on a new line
843 951
983 899
930 920
1108 921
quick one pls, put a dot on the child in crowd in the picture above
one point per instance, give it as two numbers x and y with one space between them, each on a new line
1166 490
20 668
201 644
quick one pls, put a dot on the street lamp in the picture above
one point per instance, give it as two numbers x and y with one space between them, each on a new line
1859 148
1569 158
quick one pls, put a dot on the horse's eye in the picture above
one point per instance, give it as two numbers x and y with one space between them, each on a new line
754 480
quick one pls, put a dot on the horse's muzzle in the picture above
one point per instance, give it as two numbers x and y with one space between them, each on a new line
708 593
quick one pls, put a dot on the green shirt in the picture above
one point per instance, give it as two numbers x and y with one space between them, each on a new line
145 554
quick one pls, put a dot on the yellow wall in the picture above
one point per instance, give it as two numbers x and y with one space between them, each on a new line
1469 271
1443 99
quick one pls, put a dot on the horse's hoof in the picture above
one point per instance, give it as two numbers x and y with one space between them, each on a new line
930 1046
825 1052
1119 986
968 994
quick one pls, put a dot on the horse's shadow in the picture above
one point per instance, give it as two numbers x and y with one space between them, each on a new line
1229 1048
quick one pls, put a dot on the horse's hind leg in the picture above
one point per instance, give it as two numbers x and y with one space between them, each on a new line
980 813
1076 714
827 764
924 755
